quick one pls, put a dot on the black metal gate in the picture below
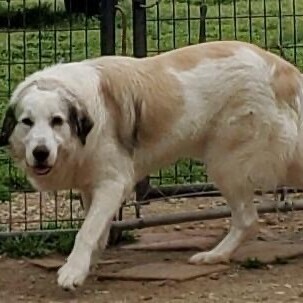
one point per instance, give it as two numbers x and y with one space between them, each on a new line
34 34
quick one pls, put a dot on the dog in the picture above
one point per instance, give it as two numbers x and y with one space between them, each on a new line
101 125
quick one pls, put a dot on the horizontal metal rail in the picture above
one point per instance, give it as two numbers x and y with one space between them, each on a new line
197 190
268 206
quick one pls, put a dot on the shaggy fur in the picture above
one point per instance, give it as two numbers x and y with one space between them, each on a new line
109 122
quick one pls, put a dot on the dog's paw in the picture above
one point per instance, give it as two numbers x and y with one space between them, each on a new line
208 257
71 275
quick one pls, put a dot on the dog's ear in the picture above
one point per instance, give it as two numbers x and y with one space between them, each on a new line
8 126
80 121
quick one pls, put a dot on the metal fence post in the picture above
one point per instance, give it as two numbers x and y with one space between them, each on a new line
108 39
107 32
139 29
203 12
140 50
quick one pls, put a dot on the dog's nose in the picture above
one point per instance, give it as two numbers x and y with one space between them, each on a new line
41 153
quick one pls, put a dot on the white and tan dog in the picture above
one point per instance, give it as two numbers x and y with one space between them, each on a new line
101 125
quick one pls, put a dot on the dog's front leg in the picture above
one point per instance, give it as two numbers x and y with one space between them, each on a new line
87 200
106 199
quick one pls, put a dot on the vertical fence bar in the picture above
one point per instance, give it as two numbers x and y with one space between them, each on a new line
219 19
86 29
25 210
139 29
107 32
235 19
9 80
108 47
280 28
140 50
158 28
24 37
55 32
188 22
174 22
40 35
70 36
265 24
294 29
250 20
203 12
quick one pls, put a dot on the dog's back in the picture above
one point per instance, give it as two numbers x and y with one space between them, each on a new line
232 105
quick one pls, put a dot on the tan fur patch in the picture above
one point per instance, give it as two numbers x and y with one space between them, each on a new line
124 137
187 58
144 100
286 77
285 82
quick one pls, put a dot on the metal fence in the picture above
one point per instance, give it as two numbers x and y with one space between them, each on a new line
37 33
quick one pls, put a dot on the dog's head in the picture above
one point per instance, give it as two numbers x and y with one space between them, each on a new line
43 120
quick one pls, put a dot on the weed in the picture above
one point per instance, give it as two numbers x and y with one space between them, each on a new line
37 245
252 263
128 237
281 261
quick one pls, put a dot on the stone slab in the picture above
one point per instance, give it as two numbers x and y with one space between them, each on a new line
177 241
268 251
163 271
51 263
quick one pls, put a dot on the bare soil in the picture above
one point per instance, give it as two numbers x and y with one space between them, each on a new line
23 282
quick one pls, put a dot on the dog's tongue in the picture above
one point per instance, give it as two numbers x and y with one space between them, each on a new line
41 170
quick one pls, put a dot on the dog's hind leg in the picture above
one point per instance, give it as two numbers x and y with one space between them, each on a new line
243 225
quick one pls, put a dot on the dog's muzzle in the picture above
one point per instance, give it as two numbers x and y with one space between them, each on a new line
41 154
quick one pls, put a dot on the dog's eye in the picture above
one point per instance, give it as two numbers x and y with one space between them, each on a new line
27 122
57 121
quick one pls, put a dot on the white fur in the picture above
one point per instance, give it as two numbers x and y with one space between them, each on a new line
226 100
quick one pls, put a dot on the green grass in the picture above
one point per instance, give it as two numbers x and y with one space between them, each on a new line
52 35
38 245
35 245
252 263
255 263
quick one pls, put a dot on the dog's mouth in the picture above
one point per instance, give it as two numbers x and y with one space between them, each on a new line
41 170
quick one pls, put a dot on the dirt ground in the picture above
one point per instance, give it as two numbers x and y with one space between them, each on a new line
23 282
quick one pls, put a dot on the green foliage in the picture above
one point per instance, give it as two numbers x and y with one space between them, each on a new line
35 17
185 171
33 246
220 1
255 263
11 179
281 261
4 193
252 263
37 245
128 237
